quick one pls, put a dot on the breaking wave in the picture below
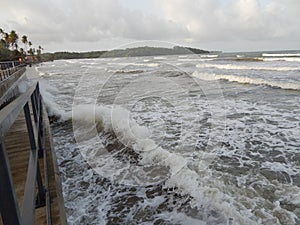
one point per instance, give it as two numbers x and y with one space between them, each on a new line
135 64
243 67
288 59
159 164
281 54
247 80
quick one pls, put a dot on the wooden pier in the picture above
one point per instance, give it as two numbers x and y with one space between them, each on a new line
24 148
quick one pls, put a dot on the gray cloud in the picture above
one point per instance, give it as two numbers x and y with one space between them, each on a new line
86 25
239 19
79 20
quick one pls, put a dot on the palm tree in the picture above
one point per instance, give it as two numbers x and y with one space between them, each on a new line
24 39
13 39
31 51
6 39
25 42
2 43
1 31
22 51
40 48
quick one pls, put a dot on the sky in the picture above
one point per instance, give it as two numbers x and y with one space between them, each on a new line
85 25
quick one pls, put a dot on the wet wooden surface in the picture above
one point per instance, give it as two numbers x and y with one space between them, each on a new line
18 149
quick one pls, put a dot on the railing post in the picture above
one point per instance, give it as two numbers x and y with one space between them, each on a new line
41 191
37 114
40 200
41 124
8 201
33 105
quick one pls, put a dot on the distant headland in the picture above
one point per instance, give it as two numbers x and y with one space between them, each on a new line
128 52
10 50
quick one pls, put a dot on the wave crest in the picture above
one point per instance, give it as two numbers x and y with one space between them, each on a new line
243 67
247 80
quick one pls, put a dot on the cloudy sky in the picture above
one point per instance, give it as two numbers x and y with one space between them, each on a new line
226 25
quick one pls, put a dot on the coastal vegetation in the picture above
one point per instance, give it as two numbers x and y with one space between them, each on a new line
152 51
11 49
128 52
71 55
13 46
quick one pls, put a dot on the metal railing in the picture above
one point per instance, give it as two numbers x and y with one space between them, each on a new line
36 194
8 68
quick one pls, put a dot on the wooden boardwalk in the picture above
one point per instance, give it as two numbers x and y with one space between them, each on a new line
18 150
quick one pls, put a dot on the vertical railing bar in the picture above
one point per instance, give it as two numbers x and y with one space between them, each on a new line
28 208
42 145
40 122
33 106
9 68
10 211
48 197
41 191
29 126
32 133
33 167
35 103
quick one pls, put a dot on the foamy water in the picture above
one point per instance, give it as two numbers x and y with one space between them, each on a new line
176 140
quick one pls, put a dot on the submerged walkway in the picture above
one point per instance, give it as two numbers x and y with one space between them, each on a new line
18 152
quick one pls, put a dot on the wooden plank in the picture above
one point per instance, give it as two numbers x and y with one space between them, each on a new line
18 150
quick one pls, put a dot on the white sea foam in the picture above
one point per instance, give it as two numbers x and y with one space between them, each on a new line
209 56
136 137
210 190
196 60
159 57
280 54
24 85
244 67
116 119
288 59
135 64
53 109
247 80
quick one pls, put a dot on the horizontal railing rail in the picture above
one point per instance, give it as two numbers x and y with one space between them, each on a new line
9 67
9 88
35 193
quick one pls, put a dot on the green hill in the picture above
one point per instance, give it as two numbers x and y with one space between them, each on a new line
128 52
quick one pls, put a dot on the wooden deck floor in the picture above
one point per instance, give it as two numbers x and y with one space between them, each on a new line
18 147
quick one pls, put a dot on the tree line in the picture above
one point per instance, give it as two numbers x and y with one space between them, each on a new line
129 52
10 49
153 51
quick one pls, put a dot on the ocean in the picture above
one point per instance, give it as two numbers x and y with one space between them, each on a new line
189 139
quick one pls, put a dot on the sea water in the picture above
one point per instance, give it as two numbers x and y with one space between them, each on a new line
190 139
